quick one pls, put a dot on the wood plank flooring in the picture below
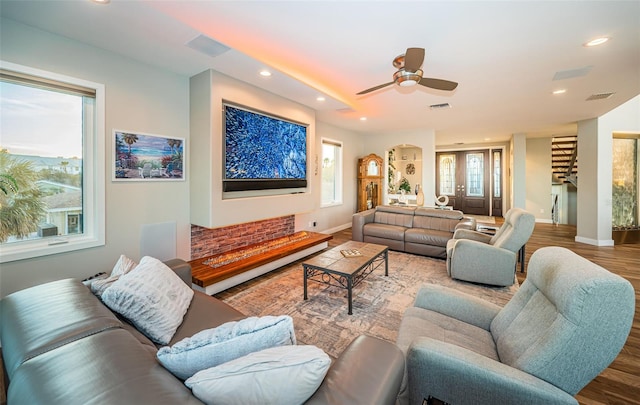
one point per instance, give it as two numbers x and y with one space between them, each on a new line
620 382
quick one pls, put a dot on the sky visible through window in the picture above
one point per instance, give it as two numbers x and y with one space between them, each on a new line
40 122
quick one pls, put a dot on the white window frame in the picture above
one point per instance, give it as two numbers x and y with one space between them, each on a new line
93 180
337 174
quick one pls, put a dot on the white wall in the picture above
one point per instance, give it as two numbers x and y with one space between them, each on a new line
425 139
334 218
538 180
138 98
518 168
595 149
209 208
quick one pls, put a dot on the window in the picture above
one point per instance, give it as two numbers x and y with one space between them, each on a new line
51 163
475 175
331 192
447 174
497 173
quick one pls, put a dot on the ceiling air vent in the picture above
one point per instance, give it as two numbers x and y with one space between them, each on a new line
208 46
439 106
571 73
600 96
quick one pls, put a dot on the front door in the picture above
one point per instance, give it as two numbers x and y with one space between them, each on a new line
463 176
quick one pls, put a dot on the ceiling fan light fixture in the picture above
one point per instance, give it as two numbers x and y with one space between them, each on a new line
406 79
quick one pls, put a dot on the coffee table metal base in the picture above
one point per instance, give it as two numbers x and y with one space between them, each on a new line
341 278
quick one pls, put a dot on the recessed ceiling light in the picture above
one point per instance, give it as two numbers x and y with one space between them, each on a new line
559 91
265 73
597 41
363 118
320 98
101 1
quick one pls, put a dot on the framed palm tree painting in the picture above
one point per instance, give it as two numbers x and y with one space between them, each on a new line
147 157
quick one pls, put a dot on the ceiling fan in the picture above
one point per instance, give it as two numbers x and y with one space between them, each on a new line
410 74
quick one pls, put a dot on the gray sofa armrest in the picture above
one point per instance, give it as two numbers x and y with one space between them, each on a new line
472 235
368 372
468 223
497 266
181 268
358 221
456 304
459 376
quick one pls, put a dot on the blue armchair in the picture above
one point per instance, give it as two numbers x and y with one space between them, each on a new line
566 323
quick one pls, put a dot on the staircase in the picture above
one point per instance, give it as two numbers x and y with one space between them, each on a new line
564 159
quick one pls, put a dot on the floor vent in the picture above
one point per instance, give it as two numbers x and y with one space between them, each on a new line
439 106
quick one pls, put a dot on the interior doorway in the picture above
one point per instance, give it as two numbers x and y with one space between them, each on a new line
472 180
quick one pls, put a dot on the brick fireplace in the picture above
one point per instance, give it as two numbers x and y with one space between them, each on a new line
211 241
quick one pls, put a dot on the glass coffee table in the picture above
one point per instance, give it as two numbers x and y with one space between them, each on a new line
345 266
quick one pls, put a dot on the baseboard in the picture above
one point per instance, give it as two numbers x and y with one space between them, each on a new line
544 221
594 242
337 228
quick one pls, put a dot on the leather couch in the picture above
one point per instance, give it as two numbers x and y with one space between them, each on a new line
61 345
419 230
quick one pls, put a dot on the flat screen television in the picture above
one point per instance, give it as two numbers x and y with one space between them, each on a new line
262 152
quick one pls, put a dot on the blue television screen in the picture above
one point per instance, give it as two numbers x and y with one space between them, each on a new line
262 152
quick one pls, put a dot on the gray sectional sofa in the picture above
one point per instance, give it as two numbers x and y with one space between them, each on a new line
62 345
419 230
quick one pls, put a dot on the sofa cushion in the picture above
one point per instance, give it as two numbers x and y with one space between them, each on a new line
394 216
41 318
279 375
229 341
205 312
152 297
108 367
385 231
419 322
427 236
439 213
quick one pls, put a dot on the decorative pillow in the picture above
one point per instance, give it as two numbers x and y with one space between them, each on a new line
278 375
152 297
122 266
228 341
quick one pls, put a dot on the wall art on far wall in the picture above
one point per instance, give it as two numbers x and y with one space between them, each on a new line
146 157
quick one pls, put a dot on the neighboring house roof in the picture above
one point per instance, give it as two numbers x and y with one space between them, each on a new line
64 201
44 162
46 184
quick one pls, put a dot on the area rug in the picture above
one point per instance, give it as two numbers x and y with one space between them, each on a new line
378 301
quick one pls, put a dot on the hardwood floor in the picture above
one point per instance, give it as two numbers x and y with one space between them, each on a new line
620 382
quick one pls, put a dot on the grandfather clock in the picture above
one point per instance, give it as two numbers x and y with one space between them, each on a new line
369 182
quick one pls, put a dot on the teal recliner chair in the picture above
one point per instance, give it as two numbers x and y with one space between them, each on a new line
479 258
566 323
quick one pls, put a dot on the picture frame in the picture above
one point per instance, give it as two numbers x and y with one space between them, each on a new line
140 156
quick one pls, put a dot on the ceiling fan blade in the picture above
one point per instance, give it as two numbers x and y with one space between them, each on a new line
438 84
374 88
413 59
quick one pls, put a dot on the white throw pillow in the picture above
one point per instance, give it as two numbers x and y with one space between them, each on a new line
228 341
284 375
122 266
152 297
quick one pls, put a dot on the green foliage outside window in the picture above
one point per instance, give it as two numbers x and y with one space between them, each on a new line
21 205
